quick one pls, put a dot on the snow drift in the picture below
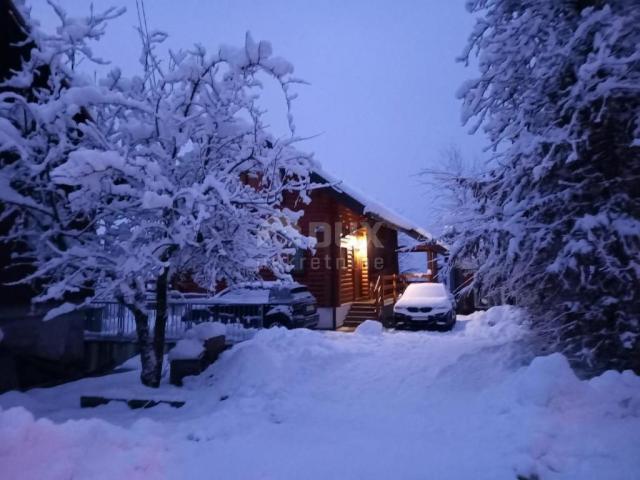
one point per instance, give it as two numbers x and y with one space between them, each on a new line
470 403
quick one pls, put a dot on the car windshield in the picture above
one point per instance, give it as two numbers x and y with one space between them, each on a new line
279 293
300 293
425 290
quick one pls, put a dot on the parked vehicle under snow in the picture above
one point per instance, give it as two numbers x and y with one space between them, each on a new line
425 305
261 304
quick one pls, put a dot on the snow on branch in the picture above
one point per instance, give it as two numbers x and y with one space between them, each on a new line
112 182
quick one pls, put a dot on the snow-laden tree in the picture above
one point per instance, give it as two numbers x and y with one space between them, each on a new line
556 222
446 197
44 120
172 172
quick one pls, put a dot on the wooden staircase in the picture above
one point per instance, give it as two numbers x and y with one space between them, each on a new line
359 312
383 290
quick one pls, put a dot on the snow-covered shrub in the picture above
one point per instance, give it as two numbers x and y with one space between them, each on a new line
88 448
555 224
370 328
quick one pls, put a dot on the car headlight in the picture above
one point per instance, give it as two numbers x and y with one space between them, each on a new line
442 308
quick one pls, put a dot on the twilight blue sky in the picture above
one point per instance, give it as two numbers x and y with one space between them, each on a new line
383 77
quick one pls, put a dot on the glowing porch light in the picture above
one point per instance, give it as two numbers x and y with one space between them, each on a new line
357 243
360 247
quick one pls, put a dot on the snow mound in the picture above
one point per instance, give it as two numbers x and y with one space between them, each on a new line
36 449
187 349
369 327
249 370
546 379
204 331
192 345
473 405
504 322
272 361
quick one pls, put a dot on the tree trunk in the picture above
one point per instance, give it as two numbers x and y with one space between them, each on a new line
147 357
161 323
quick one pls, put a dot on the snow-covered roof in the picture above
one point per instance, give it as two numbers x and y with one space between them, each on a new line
372 208
413 245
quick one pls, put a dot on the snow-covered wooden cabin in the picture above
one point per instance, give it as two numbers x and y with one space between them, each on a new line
354 270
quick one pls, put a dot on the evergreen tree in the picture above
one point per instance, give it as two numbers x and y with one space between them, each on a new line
555 223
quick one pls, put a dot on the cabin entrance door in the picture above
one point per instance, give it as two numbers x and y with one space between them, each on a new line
357 277
360 266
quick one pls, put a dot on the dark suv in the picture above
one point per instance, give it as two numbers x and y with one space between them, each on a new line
261 304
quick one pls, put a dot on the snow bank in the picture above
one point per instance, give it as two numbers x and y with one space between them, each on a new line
204 331
545 380
369 327
462 404
268 363
40 449
574 429
504 323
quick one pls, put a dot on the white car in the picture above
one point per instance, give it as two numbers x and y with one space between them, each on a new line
425 305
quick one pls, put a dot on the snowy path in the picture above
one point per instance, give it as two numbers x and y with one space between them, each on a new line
301 404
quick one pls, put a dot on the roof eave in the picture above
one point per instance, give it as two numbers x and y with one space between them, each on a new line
361 208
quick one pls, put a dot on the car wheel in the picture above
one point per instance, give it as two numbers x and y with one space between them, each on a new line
449 326
277 321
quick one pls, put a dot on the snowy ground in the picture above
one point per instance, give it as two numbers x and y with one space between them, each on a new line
301 404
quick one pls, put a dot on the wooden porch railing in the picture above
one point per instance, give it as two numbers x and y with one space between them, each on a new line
384 288
376 295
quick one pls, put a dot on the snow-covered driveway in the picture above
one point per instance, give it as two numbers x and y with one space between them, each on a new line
306 405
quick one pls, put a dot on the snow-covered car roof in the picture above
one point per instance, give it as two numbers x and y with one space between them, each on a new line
424 290
424 294
254 292
267 284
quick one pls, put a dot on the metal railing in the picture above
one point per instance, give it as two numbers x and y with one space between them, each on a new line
112 320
